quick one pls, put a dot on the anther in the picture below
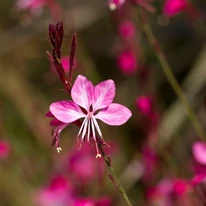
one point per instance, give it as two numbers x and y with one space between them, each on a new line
98 156
59 149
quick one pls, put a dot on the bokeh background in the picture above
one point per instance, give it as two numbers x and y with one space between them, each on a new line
152 150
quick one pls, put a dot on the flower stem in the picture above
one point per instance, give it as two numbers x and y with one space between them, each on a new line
113 177
169 74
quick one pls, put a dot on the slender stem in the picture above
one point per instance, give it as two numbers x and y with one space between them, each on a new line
113 177
170 76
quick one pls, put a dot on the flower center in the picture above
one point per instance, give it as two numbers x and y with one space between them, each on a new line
90 115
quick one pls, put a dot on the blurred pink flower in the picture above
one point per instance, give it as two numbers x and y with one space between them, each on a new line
150 161
127 62
173 7
127 29
90 103
199 152
35 7
115 4
145 105
167 190
31 4
180 186
105 201
59 192
83 166
65 63
4 149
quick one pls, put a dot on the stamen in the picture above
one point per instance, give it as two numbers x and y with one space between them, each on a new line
97 149
85 128
93 130
88 132
59 149
82 126
98 156
97 127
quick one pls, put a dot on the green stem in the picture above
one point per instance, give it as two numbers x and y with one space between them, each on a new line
114 177
170 76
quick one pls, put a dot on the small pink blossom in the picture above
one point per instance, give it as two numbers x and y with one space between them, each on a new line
127 62
199 152
173 7
82 165
127 29
105 201
115 4
4 149
59 192
150 161
90 103
145 105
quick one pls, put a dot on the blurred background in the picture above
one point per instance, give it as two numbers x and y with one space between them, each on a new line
154 154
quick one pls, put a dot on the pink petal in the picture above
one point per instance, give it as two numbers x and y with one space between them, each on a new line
49 114
55 122
199 152
115 114
104 93
82 92
66 111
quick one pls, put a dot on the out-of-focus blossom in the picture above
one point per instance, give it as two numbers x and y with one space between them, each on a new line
4 149
127 29
145 105
35 7
115 4
167 191
173 7
150 162
199 152
59 192
96 103
83 166
127 62
105 201
65 63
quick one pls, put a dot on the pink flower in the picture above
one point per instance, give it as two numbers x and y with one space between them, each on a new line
199 152
114 4
150 160
82 165
145 105
32 4
127 29
173 7
4 149
105 201
127 62
57 193
90 103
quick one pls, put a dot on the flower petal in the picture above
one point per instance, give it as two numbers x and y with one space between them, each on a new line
115 114
104 93
199 152
66 111
82 92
